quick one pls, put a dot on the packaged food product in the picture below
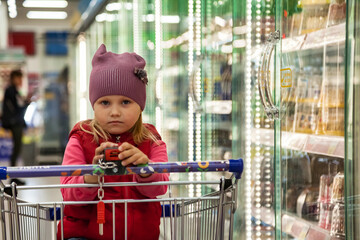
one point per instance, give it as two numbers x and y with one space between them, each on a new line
307 205
296 24
325 215
338 221
291 197
314 17
337 12
330 120
324 201
337 194
325 189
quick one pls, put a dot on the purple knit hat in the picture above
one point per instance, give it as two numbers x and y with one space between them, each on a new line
118 74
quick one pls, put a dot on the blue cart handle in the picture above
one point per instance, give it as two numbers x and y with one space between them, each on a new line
235 166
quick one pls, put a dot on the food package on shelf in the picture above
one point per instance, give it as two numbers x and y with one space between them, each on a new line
337 12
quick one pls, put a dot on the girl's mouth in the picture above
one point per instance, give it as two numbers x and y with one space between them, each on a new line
115 122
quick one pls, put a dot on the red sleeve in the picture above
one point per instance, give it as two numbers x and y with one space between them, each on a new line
74 155
153 130
157 154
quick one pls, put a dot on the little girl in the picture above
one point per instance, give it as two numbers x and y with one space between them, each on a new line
117 94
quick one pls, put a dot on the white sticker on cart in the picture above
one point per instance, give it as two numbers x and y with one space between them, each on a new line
33 167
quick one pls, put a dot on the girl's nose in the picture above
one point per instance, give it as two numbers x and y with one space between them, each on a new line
115 111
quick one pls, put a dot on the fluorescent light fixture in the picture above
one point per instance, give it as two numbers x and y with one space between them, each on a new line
163 19
12 8
150 45
45 4
128 6
101 17
170 19
220 21
106 17
46 15
239 43
113 6
240 30
12 14
149 18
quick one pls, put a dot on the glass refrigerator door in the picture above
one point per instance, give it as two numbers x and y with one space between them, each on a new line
311 67
301 83
213 106
210 76
352 130
255 131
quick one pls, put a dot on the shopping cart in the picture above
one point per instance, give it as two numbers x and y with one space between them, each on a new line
206 217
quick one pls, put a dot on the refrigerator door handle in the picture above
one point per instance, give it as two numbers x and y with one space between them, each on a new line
262 81
192 89
264 76
273 39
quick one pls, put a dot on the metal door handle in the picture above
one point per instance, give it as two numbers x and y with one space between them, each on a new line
264 76
192 91
261 82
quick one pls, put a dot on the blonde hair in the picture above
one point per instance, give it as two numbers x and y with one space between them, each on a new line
139 132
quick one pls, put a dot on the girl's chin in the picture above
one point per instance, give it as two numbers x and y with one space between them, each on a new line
112 132
115 131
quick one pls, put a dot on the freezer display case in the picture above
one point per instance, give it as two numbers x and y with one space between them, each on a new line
304 87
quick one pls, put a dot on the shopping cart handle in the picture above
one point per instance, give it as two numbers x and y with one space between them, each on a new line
235 166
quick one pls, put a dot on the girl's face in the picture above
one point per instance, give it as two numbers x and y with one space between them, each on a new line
116 114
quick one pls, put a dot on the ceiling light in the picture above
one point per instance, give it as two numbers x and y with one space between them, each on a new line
45 4
163 19
12 8
113 6
46 15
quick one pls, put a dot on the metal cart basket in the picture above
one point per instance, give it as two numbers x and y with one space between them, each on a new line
205 217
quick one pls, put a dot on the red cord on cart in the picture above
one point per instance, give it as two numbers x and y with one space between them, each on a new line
101 216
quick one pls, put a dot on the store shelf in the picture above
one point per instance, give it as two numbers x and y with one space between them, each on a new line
302 229
318 144
316 39
295 226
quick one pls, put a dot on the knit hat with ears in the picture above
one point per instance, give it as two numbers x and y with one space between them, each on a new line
118 74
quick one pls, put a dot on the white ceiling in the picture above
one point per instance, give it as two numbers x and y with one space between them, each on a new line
22 23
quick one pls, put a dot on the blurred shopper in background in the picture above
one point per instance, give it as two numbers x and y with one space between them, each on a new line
13 110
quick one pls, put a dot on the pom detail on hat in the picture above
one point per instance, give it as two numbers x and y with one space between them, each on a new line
141 74
118 74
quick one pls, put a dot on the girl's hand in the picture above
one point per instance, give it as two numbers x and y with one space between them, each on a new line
98 155
129 154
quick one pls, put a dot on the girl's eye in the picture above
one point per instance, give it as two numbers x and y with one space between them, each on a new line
126 102
104 102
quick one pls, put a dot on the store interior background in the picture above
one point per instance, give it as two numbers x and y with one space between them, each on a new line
39 47
226 95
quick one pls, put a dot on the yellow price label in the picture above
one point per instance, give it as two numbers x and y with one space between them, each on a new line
286 78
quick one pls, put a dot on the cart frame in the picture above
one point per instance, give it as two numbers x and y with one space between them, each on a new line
183 217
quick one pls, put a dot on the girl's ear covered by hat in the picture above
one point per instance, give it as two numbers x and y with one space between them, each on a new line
118 74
